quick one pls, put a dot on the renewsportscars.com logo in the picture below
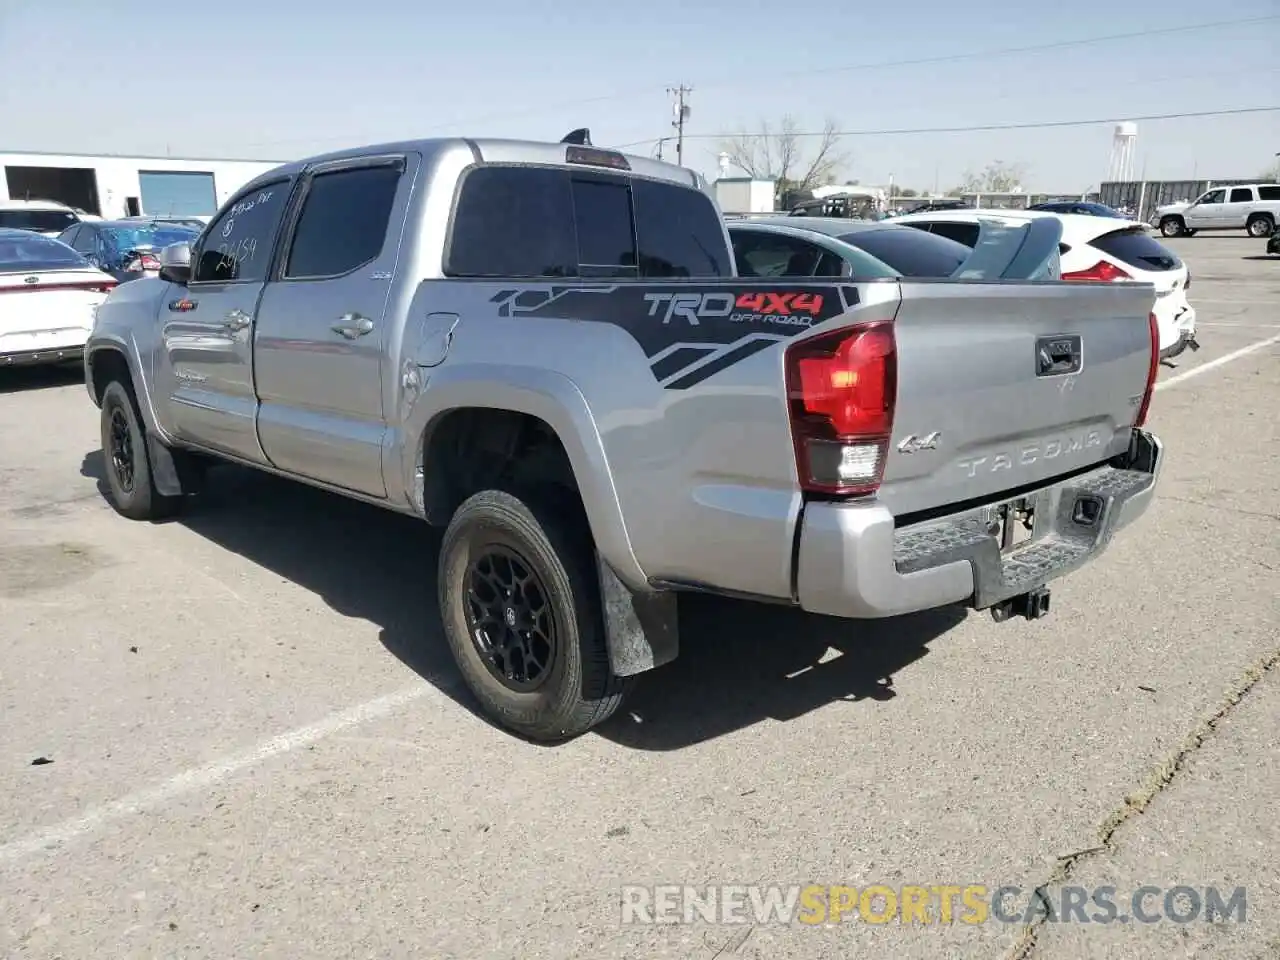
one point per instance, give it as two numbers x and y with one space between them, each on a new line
785 308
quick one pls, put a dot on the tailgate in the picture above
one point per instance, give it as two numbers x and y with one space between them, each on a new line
980 411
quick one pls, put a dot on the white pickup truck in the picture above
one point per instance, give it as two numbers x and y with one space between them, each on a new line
1254 208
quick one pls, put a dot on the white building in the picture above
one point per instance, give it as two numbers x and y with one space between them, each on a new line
744 195
115 186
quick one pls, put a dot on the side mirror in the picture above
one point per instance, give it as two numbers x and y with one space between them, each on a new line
175 263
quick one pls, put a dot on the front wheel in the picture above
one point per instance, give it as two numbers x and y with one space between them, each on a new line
520 601
1171 227
132 489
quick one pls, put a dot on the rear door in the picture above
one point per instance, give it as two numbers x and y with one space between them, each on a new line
207 326
321 331
1240 203
1004 385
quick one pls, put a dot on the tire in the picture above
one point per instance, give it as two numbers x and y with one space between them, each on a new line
1260 226
132 490
491 534
1171 227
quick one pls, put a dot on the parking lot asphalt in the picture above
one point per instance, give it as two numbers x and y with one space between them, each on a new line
239 733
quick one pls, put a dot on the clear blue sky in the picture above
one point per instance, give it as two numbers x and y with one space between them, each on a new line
275 80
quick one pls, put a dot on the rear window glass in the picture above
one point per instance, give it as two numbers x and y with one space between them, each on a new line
1269 193
966 233
1138 249
680 233
605 228
42 221
551 222
32 253
913 253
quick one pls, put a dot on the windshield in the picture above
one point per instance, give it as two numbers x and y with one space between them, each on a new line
42 221
124 239
913 253
33 253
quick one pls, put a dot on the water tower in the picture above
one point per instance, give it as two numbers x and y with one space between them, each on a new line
725 164
1124 144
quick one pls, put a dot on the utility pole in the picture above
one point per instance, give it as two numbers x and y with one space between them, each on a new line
681 112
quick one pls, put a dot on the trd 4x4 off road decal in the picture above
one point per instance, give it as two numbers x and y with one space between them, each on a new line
688 331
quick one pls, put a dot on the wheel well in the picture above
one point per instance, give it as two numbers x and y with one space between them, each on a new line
108 365
477 448
1172 216
1260 215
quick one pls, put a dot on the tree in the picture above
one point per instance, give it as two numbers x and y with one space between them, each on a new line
996 177
1272 172
779 153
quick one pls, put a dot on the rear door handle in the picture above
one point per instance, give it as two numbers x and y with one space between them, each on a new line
237 320
352 325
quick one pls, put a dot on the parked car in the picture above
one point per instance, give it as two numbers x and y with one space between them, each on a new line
48 294
1273 241
1083 207
1098 248
544 349
1254 208
126 249
831 247
44 217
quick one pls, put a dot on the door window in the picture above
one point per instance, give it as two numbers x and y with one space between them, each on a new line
1213 196
69 236
513 222
343 224
1241 195
86 241
237 246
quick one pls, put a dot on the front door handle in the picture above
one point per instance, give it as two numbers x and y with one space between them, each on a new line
237 320
352 325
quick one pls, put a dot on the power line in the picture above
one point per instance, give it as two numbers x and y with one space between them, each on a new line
975 128
874 65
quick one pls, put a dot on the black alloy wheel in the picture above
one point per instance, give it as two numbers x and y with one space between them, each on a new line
510 618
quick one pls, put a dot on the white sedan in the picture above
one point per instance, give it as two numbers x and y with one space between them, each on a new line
1096 248
48 296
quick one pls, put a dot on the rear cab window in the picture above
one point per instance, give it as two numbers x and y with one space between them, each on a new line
554 222
1134 246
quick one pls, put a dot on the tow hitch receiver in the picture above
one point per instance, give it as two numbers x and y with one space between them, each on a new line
1033 605
1191 342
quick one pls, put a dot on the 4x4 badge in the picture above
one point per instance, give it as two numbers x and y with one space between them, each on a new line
912 443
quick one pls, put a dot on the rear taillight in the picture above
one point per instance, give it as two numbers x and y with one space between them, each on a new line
143 263
1102 270
841 390
1153 368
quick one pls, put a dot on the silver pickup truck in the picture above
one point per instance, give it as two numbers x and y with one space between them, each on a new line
544 349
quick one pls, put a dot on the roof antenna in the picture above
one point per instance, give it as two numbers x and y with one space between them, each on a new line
581 137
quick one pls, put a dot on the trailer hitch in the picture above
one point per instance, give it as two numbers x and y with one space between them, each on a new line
1033 605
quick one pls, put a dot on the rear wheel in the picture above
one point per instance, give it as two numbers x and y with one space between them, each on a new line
128 468
1260 225
520 601
1171 226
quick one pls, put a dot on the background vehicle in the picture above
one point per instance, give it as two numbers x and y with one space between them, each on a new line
814 247
1273 241
48 294
195 223
1083 207
1254 208
544 348
1097 248
39 216
126 249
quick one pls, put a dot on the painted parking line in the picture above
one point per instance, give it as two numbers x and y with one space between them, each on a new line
59 836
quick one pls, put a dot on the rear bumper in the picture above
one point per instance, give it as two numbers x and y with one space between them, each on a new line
854 562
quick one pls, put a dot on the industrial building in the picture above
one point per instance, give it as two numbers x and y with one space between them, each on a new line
118 186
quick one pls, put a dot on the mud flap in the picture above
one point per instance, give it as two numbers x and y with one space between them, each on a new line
641 629
164 472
